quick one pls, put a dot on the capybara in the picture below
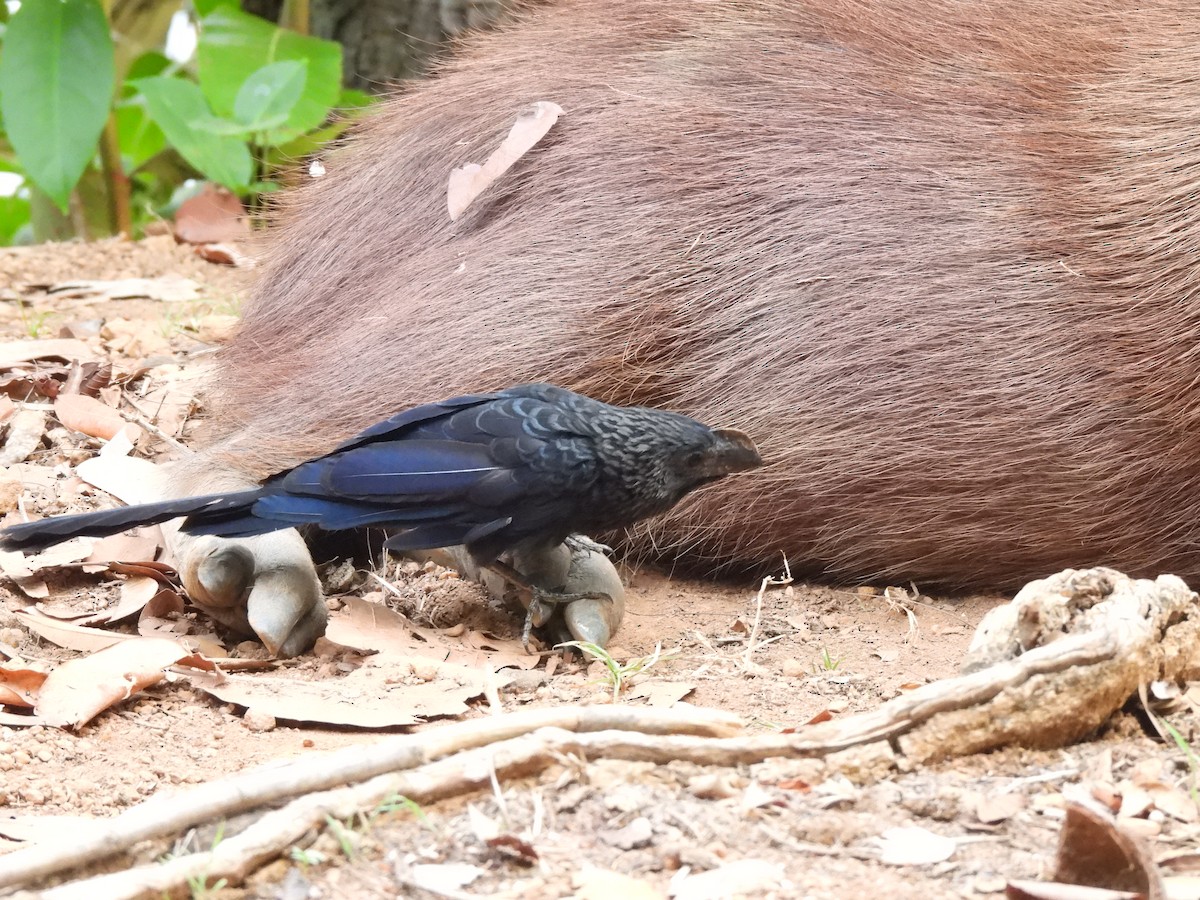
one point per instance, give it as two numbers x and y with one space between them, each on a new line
939 259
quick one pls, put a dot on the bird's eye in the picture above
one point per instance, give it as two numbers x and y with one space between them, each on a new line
694 459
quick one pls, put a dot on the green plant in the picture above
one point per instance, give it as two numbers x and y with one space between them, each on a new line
828 662
307 856
105 133
618 673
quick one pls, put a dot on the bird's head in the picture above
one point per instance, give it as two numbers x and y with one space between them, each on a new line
712 454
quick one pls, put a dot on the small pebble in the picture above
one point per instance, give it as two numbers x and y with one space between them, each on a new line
258 721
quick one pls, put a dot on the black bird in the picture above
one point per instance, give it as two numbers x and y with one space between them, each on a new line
516 470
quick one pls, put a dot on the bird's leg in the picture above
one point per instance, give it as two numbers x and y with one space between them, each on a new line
580 543
542 602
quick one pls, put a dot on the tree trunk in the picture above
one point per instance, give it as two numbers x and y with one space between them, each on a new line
386 41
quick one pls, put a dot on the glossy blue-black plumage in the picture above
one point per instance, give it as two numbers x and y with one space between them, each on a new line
527 465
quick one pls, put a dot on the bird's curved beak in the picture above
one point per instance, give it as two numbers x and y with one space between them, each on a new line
733 452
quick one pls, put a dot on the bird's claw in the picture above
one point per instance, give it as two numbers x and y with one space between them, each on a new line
581 543
544 604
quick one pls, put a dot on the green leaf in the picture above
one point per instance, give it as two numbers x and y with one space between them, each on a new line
56 87
268 96
204 7
14 215
178 108
353 98
138 134
234 45
149 63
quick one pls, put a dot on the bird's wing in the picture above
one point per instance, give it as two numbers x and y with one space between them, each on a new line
397 425
402 473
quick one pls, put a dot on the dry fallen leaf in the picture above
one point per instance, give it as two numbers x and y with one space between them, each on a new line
127 478
168 288
80 689
13 353
914 846
662 694
89 416
19 685
382 693
214 214
469 181
68 634
372 626
1094 851
25 430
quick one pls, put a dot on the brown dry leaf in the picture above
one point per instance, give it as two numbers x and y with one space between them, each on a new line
469 181
1094 851
381 694
135 338
136 592
372 626
214 214
68 634
743 878
662 694
19 685
1175 802
226 255
7 407
91 417
80 689
125 548
165 602
14 353
592 883
168 288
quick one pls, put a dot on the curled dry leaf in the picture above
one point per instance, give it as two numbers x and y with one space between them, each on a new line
19 685
68 634
80 689
91 417
469 181
1094 851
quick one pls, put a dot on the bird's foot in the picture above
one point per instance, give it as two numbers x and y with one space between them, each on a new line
544 604
581 543
574 591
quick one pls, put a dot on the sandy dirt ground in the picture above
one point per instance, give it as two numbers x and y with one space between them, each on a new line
579 827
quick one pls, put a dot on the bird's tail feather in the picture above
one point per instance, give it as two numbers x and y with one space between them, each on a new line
47 532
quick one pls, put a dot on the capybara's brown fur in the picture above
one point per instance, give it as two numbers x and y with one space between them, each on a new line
939 258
